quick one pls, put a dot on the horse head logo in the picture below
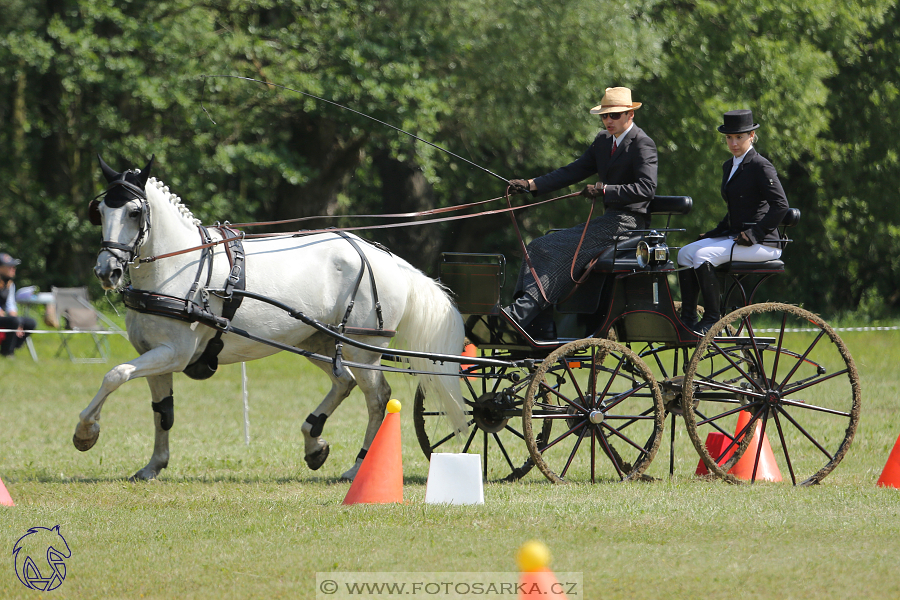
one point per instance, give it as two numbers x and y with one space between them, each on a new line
39 558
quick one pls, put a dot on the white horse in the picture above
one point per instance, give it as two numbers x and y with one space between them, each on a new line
316 275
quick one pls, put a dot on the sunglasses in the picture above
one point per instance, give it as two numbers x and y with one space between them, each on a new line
613 116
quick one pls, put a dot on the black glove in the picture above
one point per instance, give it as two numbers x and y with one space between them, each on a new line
743 239
518 186
594 190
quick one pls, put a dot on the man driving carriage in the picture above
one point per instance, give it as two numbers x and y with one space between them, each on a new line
625 159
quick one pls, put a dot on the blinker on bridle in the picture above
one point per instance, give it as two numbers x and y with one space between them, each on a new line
138 194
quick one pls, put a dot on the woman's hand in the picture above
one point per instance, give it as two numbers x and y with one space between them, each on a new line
743 239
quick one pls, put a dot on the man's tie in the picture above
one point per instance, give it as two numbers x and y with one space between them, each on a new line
613 148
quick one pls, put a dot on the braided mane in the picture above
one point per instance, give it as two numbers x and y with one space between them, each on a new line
174 200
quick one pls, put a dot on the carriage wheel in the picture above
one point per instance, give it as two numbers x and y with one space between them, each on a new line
493 403
790 375
610 413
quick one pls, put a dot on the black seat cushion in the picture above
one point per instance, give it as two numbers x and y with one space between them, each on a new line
770 266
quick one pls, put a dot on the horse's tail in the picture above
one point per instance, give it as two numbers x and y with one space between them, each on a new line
432 323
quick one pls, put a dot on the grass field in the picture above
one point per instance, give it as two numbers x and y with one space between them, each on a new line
227 520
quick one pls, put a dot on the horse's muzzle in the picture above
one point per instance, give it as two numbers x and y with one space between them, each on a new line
109 270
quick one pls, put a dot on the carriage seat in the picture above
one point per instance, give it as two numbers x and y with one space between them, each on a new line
791 218
620 257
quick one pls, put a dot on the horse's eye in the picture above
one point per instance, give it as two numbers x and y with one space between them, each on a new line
135 213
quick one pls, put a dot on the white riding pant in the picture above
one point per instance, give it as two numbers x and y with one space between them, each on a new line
720 250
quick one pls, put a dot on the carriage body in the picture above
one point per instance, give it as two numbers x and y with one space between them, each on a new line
624 363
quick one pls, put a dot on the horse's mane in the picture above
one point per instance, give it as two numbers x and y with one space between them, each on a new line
155 184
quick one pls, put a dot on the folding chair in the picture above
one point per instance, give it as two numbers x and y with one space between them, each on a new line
78 316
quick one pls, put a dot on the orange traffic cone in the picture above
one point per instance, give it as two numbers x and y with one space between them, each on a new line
890 476
537 579
5 498
469 350
767 469
716 442
380 476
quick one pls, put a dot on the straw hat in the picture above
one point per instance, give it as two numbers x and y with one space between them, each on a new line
616 99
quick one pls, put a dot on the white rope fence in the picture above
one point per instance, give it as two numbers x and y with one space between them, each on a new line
810 330
121 332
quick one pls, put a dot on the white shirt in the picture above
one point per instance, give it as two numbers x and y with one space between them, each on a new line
616 138
737 160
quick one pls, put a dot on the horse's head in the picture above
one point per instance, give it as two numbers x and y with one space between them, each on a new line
124 215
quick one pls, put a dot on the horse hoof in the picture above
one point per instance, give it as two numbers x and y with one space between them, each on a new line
142 475
350 475
317 458
83 445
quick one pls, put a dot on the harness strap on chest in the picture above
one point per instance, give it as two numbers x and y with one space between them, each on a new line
208 363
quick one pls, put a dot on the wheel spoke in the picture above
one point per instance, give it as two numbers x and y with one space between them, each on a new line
574 451
471 437
801 359
805 433
759 447
563 436
784 447
779 346
729 413
503 450
813 407
562 397
811 382
515 432
609 454
627 440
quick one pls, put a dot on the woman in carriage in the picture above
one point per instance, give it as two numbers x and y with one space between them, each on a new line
748 233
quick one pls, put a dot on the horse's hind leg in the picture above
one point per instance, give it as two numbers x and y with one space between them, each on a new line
316 448
377 392
163 418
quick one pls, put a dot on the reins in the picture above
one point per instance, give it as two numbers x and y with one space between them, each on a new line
305 232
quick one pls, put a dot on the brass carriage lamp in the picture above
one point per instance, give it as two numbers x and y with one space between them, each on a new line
652 251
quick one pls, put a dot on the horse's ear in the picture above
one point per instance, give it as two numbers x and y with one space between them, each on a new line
108 172
144 175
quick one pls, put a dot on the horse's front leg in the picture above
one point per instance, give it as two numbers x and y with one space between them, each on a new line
157 361
163 418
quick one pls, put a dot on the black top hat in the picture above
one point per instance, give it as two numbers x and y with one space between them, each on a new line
738 121
8 261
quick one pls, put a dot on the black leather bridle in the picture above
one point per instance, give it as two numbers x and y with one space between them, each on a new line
137 194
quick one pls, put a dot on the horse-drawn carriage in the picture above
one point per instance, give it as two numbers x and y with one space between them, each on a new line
594 402
589 406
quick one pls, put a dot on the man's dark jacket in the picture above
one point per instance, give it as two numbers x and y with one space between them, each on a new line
629 174
753 195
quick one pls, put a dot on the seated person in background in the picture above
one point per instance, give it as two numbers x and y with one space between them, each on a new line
625 159
748 233
9 314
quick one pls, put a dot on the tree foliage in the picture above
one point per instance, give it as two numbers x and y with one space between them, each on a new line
505 84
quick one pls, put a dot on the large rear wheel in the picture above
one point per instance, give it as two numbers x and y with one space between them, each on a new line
786 373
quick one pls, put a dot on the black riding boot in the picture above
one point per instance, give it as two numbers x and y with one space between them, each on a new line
538 322
690 292
709 287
